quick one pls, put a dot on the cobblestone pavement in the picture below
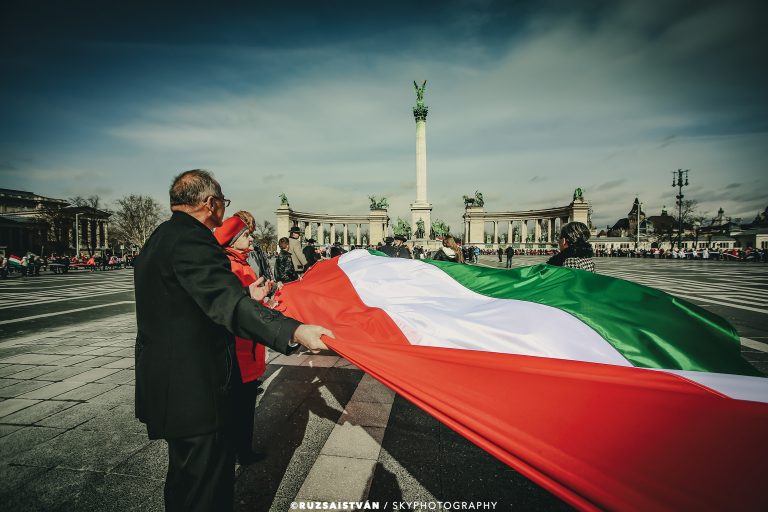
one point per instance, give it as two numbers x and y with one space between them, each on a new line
69 441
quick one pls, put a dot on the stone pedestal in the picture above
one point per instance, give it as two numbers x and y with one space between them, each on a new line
580 211
421 211
283 214
377 227
474 217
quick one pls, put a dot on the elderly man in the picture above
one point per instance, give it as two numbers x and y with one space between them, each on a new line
188 306
294 247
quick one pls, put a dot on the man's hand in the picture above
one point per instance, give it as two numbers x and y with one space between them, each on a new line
259 289
309 336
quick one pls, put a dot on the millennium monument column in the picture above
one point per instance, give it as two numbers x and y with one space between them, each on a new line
421 209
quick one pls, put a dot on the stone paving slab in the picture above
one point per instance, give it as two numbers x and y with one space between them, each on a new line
63 373
118 419
75 360
34 373
121 395
351 479
8 429
367 414
86 391
126 362
13 477
127 376
99 361
22 387
83 450
72 417
92 375
37 412
10 369
80 491
25 439
12 405
354 441
52 390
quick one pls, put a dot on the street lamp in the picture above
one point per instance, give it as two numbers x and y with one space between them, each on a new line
680 184
637 239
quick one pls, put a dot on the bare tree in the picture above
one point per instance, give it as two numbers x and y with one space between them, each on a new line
92 201
265 236
134 219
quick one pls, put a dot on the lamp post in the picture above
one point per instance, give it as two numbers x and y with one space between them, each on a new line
637 239
77 235
679 183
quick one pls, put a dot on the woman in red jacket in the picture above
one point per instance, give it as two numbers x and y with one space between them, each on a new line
235 237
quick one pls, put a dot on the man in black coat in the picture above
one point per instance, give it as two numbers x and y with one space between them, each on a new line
188 305
509 252
310 252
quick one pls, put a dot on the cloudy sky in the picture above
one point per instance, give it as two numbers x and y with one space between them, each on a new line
528 100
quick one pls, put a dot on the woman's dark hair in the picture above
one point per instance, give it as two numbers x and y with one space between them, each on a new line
577 235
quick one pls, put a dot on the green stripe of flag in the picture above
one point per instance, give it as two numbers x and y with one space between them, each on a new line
650 328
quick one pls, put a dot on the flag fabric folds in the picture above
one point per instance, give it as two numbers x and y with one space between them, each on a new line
609 394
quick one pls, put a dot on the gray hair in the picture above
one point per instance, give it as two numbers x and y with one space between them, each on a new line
575 233
193 187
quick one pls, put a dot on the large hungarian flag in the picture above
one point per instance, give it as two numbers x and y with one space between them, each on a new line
610 394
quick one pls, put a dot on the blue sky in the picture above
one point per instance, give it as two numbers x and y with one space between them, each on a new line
528 100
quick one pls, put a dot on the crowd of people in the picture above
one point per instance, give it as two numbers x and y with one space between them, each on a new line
747 254
30 264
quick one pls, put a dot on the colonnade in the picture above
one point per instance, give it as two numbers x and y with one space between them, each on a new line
546 224
353 227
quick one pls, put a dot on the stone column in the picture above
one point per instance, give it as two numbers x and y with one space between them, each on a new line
106 234
346 233
307 230
509 232
332 231
537 230
523 231
552 231
495 232
358 236
320 233
466 231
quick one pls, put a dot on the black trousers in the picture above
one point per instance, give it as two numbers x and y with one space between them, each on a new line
509 262
201 474
243 405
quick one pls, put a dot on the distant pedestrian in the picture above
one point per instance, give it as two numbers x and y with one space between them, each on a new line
310 253
500 253
294 249
284 269
575 249
509 252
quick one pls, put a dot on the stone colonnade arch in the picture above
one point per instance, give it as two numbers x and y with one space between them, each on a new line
542 234
313 225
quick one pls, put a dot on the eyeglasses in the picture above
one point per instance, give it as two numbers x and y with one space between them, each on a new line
223 200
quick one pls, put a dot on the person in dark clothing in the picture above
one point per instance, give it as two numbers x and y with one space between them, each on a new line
399 249
387 247
189 306
575 250
310 252
285 272
500 253
509 252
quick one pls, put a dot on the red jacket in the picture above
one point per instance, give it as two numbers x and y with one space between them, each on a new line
251 356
